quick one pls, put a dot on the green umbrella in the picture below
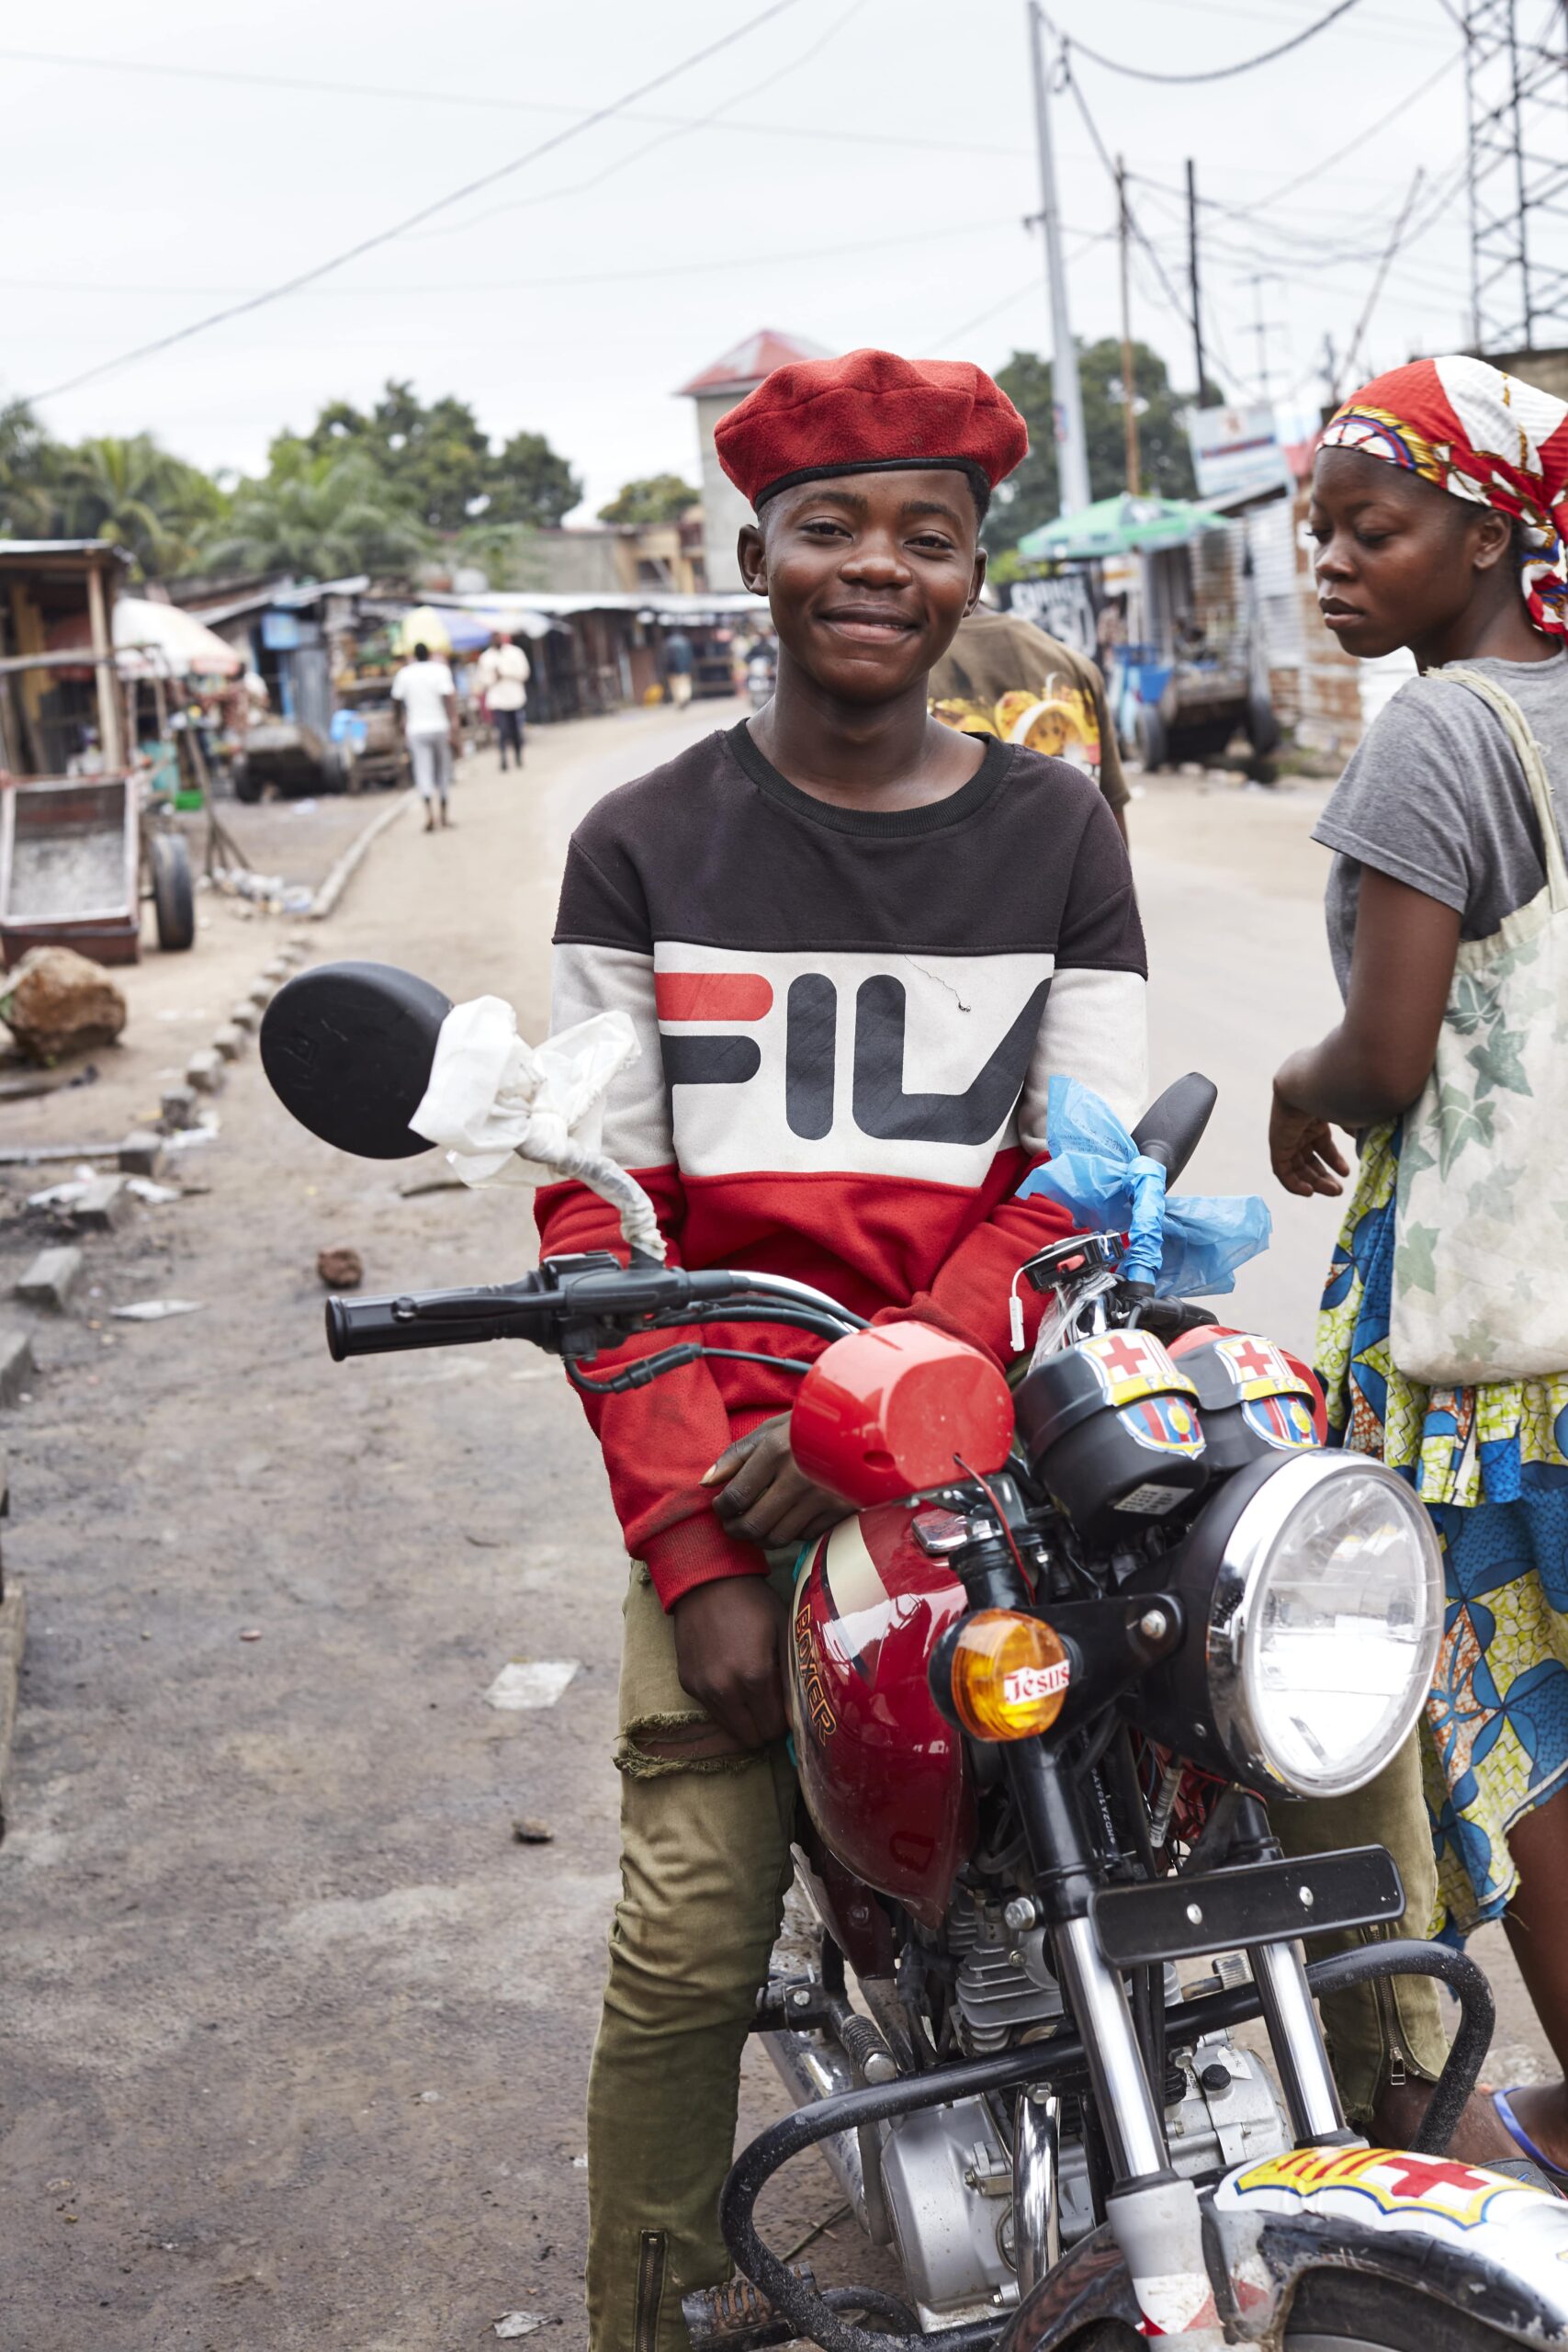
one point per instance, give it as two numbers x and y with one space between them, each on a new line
1119 525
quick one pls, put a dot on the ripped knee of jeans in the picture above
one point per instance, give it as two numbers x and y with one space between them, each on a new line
655 1744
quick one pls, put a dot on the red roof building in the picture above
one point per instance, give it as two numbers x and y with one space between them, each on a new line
741 370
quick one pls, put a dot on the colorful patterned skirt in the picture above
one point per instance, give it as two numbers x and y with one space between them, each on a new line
1492 1465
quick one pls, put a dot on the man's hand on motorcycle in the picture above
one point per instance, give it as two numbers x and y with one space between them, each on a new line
764 1497
729 1656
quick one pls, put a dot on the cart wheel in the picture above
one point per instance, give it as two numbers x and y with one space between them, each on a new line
1154 747
247 788
174 900
1262 725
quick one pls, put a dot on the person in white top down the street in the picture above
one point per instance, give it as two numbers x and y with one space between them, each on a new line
426 691
502 676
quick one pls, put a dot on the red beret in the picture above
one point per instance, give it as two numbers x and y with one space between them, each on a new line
864 414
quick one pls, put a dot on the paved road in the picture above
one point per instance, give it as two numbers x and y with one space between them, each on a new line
296 2032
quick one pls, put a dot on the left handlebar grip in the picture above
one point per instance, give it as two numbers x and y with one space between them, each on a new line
375 1326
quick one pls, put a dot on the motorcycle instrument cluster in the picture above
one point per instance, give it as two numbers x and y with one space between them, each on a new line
1111 1427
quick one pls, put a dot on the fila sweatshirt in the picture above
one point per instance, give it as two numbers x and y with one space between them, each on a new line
848 1024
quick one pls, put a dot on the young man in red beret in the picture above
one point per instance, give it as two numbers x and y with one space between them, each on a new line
855 944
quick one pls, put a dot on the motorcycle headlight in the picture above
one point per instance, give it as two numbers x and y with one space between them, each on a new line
1324 1624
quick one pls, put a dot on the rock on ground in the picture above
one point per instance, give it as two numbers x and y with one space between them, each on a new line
56 1002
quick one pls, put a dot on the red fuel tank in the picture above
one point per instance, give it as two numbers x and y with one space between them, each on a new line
883 1774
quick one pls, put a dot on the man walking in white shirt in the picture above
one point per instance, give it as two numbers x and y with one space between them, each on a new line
503 675
429 699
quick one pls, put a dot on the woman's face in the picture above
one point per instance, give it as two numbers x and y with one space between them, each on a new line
1399 561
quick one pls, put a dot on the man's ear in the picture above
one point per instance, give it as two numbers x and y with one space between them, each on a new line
977 582
752 558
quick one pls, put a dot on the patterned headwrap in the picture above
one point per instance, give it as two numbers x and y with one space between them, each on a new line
1479 434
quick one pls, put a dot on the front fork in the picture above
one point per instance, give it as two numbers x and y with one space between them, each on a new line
1153 2213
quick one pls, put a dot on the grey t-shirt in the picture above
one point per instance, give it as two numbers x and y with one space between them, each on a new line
1434 795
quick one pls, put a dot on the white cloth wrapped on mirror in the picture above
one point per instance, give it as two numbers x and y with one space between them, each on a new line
508 1112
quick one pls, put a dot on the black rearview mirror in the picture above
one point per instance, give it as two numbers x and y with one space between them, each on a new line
347 1049
1172 1128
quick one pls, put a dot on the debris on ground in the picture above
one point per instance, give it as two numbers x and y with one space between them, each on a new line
531 1682
188 1139
93 1204
56 1002
156 1310
340 1268
515 2323
20 1086
527 1831
417 1185
51 1279
156 1195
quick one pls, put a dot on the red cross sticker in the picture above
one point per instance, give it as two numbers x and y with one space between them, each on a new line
1126 1359
1255 1359
1419 2176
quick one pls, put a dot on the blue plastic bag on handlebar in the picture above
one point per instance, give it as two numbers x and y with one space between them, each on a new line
1187 1247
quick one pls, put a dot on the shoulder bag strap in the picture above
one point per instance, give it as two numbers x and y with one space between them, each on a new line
1534 766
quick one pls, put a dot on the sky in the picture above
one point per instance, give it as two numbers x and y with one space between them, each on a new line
852 171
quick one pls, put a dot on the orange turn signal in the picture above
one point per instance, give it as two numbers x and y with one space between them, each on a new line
1010 1675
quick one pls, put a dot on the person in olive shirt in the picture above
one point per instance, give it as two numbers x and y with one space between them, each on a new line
1002 676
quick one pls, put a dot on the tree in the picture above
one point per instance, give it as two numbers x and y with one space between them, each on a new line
656 498
532 484
132 492
27 499
438 460
318 514
1031 497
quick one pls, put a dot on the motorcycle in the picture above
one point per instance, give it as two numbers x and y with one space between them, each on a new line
1044 1681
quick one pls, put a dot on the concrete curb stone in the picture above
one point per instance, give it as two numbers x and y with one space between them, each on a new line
102 1206
17 1369
51 1278
141 1153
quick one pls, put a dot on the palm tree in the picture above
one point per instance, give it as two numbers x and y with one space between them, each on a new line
129 489
320 517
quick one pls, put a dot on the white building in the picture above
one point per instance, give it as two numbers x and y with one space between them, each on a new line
716 391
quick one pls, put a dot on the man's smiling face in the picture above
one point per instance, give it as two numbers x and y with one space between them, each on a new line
867 574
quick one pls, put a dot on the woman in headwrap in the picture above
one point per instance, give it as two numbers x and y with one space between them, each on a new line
1439 506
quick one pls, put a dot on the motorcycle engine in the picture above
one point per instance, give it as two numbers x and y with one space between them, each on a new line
946 2174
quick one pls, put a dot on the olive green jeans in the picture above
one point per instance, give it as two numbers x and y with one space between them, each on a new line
704 1866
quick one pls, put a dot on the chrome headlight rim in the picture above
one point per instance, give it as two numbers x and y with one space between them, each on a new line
1238 1593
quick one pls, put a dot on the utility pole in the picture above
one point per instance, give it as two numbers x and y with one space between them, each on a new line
1129 371
1072 449
1331 371
1516 99
1262 329
1193 282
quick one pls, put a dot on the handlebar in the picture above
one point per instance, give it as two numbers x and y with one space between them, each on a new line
443 1318
592 1299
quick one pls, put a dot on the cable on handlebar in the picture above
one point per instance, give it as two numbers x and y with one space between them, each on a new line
643 1369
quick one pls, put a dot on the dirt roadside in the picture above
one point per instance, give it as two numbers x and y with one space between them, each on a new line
296 2032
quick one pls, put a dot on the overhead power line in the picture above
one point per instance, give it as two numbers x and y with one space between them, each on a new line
1221 72
426 211
1181 308
623 162
488 101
